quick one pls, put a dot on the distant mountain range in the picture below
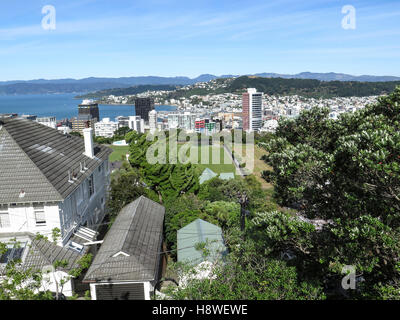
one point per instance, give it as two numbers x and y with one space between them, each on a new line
42 86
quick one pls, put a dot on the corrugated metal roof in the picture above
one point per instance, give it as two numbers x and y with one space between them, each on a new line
36 159
136 232
200 231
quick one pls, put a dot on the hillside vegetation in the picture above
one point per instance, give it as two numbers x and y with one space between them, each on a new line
313 88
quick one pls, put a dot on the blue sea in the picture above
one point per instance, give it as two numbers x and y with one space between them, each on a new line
61 106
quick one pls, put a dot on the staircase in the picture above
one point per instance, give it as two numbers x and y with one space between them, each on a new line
85 233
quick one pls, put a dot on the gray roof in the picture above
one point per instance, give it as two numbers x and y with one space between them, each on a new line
137 232
200 231
36 159
43 253
39 253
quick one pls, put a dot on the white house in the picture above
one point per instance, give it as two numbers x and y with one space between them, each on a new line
50 180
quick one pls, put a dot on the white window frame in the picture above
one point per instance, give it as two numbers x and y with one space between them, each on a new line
4 217
40 210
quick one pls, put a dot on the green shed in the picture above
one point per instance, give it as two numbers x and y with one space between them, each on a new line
207 174
200 231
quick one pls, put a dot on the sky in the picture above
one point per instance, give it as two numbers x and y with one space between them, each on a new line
121 38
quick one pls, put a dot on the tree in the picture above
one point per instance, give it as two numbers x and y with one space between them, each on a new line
183 179
122 131
244 276
124 189
347 173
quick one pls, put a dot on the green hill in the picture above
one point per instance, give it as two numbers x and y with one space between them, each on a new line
312 88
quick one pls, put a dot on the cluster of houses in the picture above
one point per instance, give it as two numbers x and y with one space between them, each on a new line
50 181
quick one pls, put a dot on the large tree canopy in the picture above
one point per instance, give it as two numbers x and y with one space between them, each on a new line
346 172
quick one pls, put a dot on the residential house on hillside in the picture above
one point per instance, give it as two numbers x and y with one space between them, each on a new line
50 180
129 262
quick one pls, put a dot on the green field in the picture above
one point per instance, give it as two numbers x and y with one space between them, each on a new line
119 151
218 165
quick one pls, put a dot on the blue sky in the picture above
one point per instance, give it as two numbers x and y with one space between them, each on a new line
184 37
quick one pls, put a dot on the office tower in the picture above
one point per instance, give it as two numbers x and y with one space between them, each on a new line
252 110
153 121
143 106
88 107
88 115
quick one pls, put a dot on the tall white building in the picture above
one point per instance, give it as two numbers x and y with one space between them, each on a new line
105 128
136 123
252 110
153 121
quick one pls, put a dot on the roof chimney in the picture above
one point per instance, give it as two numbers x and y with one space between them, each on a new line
88 137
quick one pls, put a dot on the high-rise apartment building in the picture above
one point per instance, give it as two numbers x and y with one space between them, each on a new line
143 106
136 123
153 121
252 110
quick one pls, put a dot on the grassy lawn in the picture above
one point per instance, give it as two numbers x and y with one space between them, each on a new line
259 165
119 151
219 165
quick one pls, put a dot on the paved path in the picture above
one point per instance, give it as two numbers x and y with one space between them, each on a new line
235 162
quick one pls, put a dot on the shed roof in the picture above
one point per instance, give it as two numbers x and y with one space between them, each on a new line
227 175
36 159
131 248
200 231
207 174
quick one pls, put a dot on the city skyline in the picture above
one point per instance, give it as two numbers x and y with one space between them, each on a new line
185 38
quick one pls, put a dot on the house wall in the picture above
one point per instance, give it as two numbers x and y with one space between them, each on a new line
82 209
22 219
